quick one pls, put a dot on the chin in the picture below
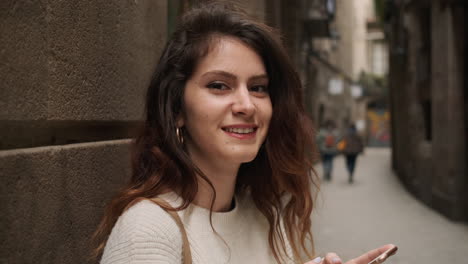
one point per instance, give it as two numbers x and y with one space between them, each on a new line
245 157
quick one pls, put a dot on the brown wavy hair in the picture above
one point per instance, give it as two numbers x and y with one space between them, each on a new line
280 179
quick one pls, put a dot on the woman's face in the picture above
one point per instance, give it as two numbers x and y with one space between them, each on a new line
227 108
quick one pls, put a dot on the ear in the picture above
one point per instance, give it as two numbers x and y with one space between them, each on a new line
180 122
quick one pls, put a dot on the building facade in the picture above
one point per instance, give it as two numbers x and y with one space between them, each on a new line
342 68
429 101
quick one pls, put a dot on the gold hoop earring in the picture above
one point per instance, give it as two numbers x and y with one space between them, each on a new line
179 135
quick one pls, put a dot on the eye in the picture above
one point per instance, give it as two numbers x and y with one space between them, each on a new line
217 86
259 89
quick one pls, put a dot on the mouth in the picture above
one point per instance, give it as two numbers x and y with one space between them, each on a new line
238 130
241 131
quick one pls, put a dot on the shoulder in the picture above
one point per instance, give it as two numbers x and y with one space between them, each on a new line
144 232
148 216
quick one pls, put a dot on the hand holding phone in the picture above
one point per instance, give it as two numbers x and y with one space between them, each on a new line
375 256
382 257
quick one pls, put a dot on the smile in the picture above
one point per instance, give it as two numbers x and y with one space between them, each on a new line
239 130
242 132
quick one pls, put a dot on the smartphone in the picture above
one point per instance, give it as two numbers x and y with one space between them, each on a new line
382 257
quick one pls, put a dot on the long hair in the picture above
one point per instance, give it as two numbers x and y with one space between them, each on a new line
281 177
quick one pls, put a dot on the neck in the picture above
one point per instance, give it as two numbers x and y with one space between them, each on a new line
224 183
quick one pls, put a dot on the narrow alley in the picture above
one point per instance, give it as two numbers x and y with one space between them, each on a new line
377 209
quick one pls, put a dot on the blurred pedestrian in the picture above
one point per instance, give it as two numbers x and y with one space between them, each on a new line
352 146
327 138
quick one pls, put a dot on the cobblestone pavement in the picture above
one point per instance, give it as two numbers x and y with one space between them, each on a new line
377 209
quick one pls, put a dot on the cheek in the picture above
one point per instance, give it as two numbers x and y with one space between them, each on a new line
198 113
206 107
267 112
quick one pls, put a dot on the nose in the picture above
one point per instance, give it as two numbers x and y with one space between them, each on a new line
243 104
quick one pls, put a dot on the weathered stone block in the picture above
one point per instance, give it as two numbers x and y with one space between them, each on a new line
78 60
23 60
52 199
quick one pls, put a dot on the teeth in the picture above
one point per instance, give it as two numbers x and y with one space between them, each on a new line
240 130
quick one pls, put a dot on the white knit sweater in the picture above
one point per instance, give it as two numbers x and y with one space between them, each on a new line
145 233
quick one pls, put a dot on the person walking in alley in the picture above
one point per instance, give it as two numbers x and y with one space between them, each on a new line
327 139
352 147
222 171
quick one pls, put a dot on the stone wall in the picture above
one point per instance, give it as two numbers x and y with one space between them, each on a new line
73 78
52 199
448 108
429 104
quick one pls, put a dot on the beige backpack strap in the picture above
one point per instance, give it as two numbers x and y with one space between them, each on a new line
186 254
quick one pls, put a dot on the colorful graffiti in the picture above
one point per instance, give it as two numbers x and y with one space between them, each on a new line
378 132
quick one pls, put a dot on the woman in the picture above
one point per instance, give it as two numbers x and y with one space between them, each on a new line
227 144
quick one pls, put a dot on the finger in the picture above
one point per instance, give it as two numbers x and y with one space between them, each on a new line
369 256
332 258
316 260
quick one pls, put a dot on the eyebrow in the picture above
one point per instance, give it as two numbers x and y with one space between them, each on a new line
231 76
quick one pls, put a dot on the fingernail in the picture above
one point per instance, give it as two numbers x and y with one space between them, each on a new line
317 260
336 260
